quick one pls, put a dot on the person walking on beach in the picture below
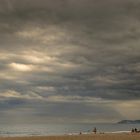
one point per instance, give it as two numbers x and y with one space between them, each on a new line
95 130
136 130
132 131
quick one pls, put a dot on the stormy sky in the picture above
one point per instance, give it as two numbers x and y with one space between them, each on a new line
69 60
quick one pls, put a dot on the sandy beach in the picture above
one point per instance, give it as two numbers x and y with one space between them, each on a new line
80 137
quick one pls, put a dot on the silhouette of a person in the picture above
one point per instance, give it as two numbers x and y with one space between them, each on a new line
95 130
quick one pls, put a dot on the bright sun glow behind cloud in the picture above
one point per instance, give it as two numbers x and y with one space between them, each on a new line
21 67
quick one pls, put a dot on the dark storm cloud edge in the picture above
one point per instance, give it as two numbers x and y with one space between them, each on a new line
115 74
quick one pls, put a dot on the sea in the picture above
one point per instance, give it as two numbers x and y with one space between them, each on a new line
12 130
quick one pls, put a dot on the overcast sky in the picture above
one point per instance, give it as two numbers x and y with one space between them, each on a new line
69 60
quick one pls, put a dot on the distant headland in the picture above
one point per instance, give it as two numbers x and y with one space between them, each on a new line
129 122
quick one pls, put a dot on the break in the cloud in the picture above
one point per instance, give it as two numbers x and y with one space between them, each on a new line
69 60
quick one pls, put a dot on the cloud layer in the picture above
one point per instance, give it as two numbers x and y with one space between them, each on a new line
65 59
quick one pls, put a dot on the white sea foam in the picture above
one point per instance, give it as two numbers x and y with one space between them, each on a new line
115 132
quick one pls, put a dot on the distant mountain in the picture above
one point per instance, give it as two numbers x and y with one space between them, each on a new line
129 121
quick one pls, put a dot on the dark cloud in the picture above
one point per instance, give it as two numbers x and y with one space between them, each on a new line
66 50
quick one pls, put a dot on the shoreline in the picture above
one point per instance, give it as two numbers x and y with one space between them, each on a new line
68 134
71 134
75 134
105 136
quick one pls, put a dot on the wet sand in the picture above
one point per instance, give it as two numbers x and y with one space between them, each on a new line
125 136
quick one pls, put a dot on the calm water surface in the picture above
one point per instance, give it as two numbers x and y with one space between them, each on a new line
60 129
